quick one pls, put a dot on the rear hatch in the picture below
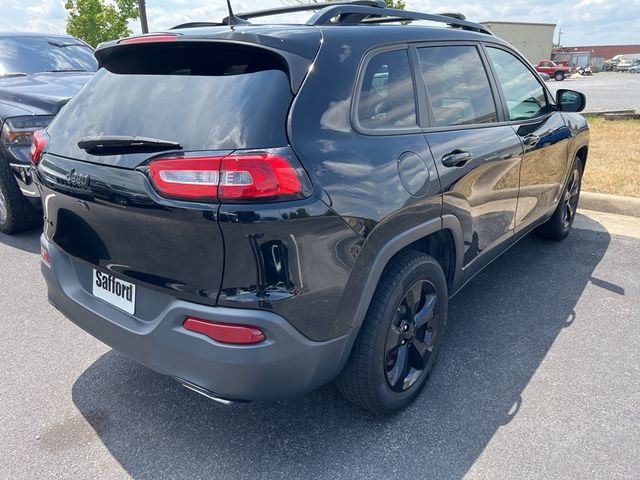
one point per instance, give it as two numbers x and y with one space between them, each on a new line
197 99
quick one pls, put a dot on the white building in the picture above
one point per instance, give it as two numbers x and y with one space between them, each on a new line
533 40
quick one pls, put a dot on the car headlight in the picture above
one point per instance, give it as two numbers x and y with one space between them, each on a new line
18 131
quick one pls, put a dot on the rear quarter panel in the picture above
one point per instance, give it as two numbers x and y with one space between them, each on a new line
356 174
292 258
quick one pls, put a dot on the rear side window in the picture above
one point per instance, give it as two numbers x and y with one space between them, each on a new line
524 95
386 100
203 96
457 86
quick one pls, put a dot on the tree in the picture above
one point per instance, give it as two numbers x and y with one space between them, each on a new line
399 4
96 21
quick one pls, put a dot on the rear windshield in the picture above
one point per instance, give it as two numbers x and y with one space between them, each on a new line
203 97
44 54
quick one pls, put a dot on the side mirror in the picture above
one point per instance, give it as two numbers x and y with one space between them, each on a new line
570 101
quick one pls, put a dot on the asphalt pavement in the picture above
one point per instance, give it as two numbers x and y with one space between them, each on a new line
539 377
605 91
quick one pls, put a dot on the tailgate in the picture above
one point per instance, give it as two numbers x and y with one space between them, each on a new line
112 219
197 97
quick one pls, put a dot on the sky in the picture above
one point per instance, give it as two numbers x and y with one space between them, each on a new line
583 22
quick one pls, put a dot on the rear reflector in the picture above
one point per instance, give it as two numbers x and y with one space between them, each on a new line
228 178
225 332
44 256
149 38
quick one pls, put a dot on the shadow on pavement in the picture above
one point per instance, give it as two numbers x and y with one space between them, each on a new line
501 327
28 241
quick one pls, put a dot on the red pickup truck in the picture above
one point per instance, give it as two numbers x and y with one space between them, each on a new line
559 72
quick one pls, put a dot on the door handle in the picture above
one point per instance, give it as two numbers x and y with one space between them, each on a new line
531 140
457 158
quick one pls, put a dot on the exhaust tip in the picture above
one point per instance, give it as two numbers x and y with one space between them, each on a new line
207 393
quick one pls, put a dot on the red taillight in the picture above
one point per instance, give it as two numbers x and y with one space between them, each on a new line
149 38
228 178
37 145
225 332
257 176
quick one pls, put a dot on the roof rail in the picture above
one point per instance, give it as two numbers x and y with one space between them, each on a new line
377 20
459 16
354 14
305 8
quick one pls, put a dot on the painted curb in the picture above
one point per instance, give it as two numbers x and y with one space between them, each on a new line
604 202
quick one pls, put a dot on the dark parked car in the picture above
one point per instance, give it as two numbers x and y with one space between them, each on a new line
38 75
261 209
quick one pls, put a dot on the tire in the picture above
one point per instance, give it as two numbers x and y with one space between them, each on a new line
383 374
16 213
559 225
559 76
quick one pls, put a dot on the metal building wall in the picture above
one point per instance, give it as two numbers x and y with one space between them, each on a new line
533 40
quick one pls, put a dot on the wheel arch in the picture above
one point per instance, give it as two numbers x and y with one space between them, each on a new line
582 153
440 238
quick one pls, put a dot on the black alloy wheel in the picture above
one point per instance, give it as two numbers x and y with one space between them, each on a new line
570 199
412 334
560 223
402 333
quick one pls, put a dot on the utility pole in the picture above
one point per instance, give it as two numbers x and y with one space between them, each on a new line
559 35
142 8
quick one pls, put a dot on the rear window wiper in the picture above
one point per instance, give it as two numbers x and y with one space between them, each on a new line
64 45
13 74
124 143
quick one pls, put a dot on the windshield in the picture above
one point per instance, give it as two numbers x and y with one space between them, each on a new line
25 55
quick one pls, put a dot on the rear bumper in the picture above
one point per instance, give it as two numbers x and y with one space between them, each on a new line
284 365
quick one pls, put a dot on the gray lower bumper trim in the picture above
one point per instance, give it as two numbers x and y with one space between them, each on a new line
286 364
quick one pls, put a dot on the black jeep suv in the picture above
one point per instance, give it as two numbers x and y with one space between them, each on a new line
38 75
257 210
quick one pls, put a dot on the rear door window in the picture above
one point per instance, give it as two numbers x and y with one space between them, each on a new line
386 100
457 86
